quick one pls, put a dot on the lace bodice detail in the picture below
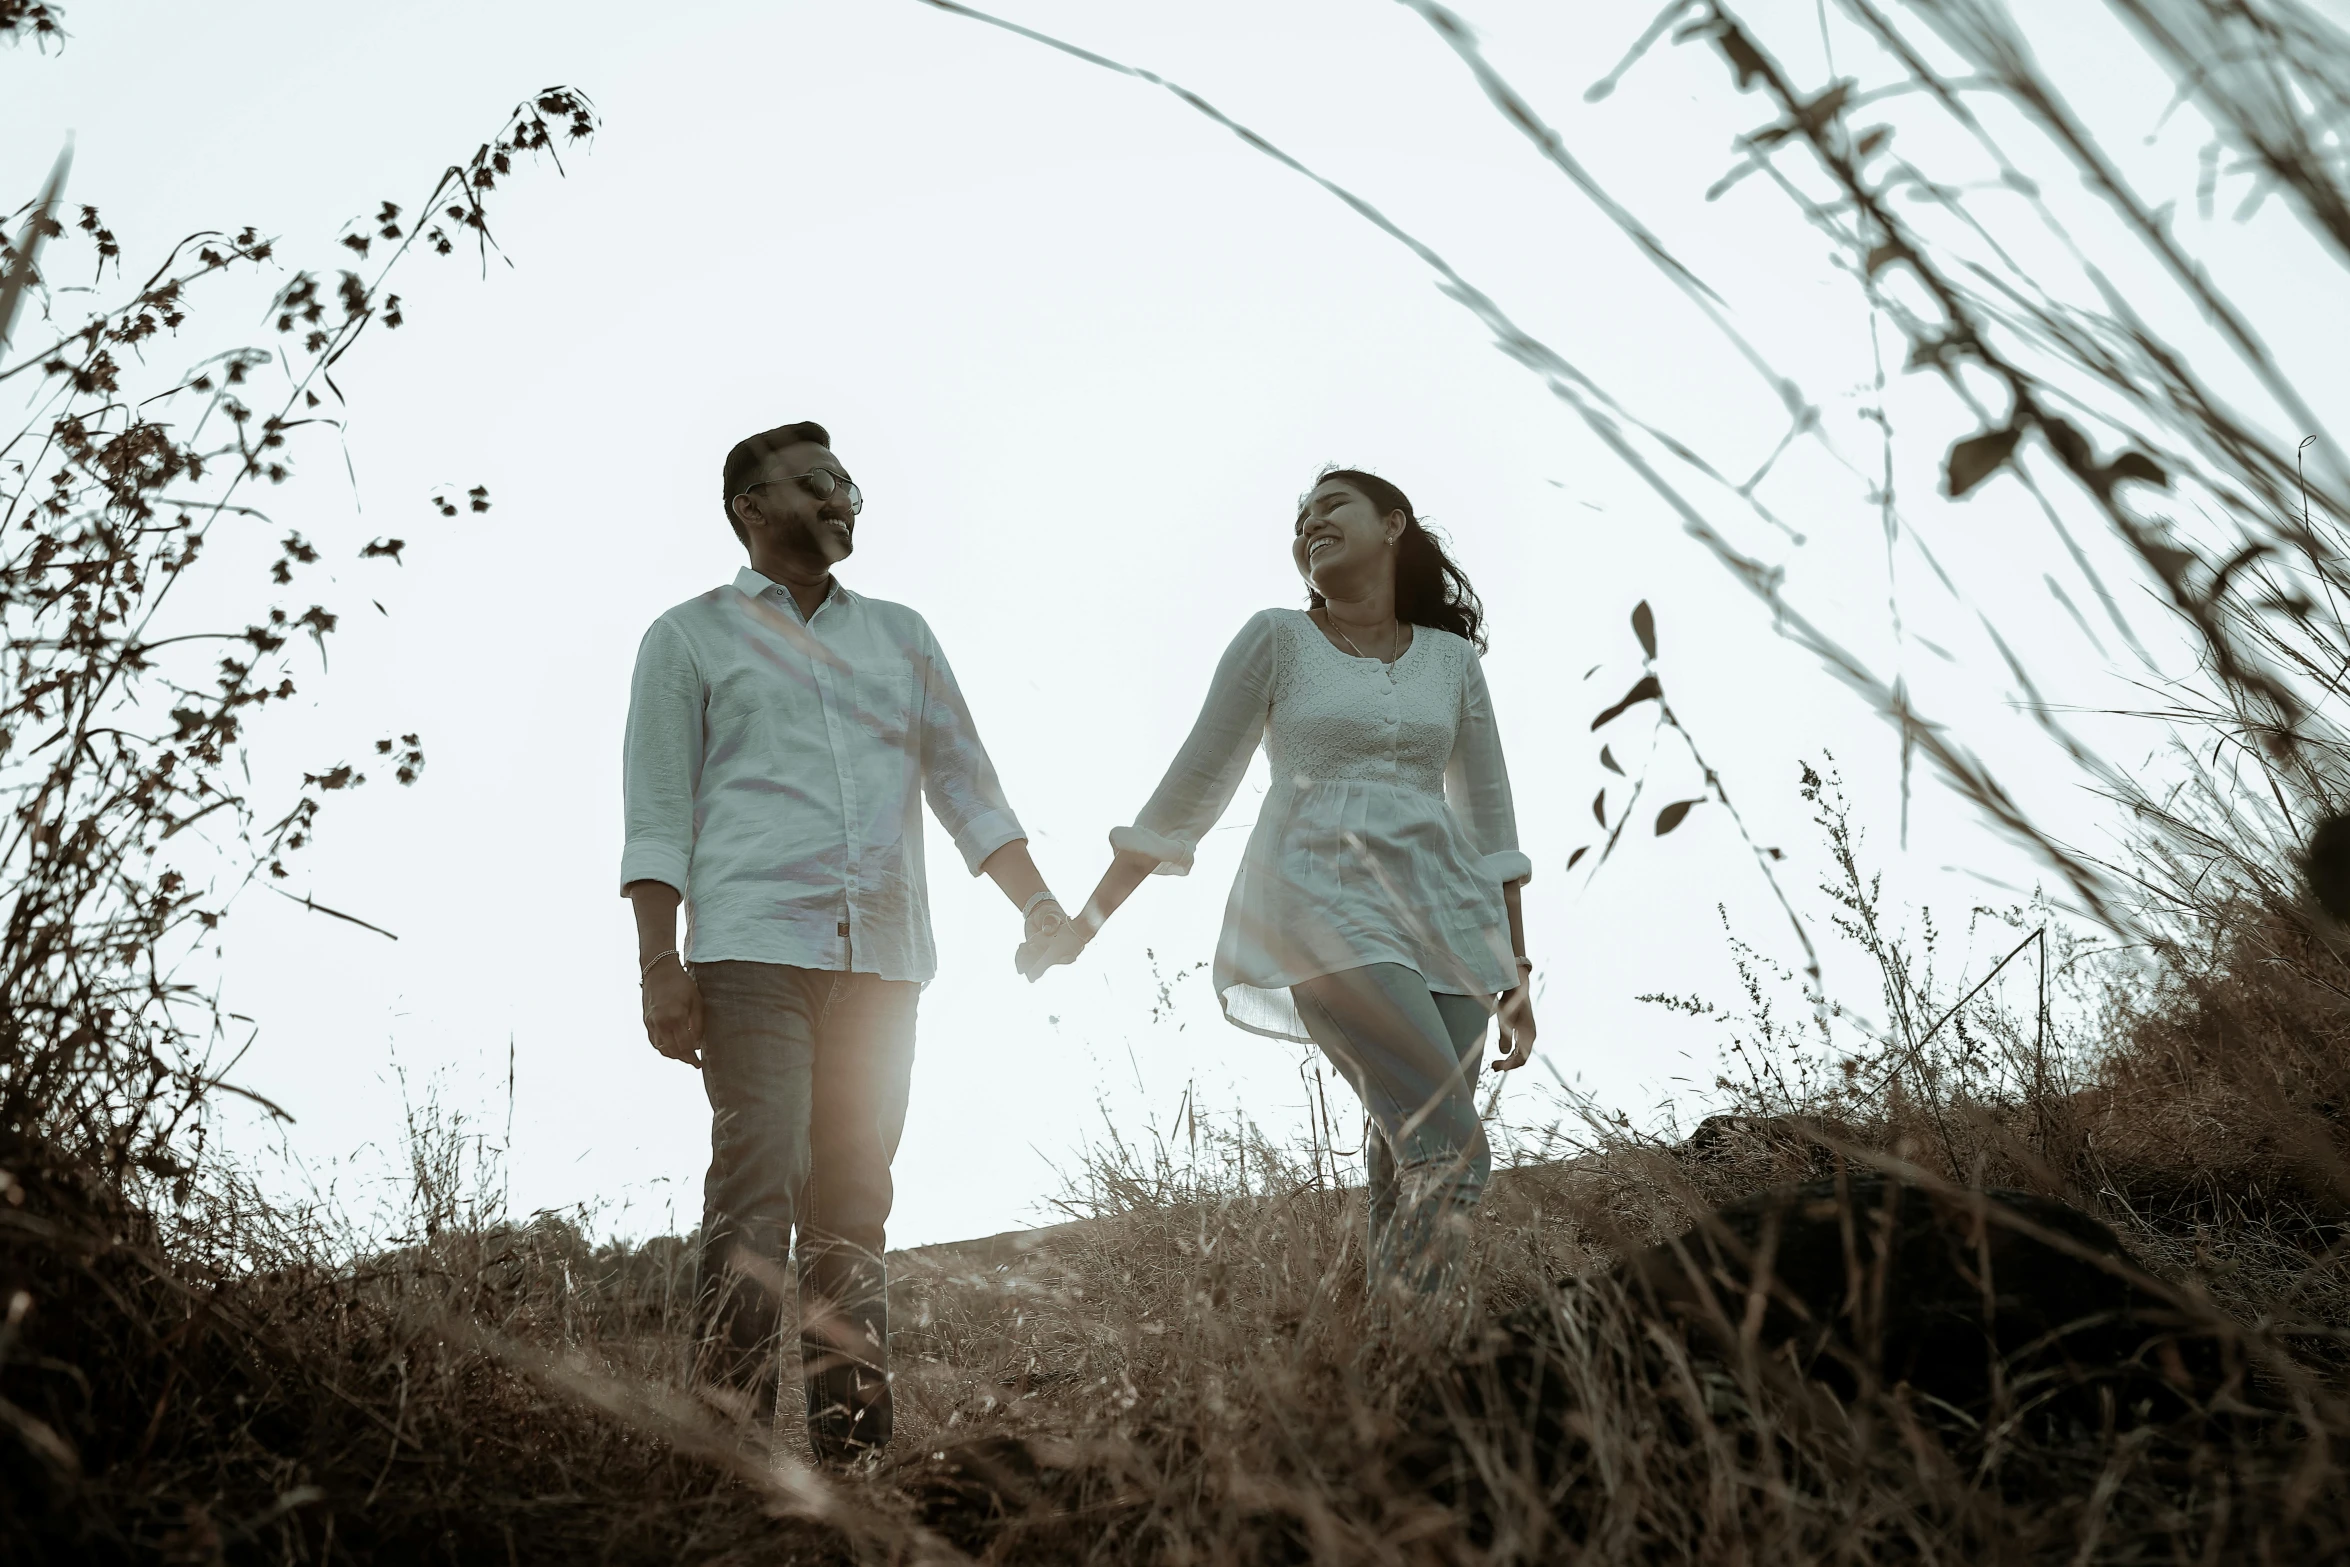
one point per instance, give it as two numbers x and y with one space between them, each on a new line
1329 721
1386 837
1335 716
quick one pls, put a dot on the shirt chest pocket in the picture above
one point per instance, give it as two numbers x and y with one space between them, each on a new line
885 707
763 702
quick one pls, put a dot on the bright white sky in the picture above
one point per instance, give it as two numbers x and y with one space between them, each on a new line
1083 350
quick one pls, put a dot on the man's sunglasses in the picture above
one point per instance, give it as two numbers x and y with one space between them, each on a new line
820 482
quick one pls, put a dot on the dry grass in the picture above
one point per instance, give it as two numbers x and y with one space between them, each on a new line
1191 1372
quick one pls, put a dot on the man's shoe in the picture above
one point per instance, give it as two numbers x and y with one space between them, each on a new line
853 1458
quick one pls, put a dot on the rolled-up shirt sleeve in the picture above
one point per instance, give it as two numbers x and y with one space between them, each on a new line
957 778
661 760
1206 772
1477 783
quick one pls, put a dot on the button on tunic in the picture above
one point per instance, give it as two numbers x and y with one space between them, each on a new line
1387 833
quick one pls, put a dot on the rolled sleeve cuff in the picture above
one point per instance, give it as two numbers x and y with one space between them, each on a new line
983 835
645 861
1172 854
1508 866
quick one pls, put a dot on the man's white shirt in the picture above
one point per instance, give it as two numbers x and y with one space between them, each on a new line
774 772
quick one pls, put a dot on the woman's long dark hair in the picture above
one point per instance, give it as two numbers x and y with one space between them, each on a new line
1429 589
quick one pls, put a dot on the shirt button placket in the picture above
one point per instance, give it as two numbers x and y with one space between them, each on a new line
827 685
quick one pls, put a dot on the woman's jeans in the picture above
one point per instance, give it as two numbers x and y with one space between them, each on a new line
1411 1054
807 1072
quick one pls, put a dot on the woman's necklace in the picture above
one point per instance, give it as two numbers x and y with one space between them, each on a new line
1394 637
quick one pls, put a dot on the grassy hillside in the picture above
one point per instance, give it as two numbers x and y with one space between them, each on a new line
1192 1373
1981 1282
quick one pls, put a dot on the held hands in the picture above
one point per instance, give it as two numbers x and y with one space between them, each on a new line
1054 938
673 1011
1049 939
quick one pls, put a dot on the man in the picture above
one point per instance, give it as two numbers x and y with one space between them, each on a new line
782 732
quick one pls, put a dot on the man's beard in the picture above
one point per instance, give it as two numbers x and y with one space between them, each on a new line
821 540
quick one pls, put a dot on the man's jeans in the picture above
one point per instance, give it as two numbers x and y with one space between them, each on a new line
807 1072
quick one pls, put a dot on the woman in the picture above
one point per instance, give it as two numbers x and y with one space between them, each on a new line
1376 912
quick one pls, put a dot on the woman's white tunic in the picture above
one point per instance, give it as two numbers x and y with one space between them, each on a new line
1386 836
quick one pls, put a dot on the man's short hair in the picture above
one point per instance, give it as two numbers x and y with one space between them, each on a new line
753 450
